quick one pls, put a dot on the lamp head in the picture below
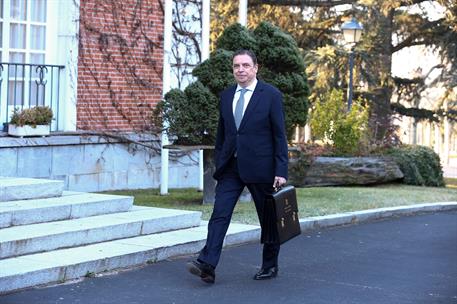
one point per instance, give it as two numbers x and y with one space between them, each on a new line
352 31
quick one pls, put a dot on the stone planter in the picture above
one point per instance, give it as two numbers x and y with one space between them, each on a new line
21 131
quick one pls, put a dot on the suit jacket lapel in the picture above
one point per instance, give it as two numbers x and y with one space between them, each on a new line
228 107
253 102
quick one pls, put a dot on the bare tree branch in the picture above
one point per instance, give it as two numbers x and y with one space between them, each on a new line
319 3
311 3
414 38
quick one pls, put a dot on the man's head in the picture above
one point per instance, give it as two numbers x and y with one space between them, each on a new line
244 67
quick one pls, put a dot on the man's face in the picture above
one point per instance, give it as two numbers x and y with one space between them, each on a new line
244 70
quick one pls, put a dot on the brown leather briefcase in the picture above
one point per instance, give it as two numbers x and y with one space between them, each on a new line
280 220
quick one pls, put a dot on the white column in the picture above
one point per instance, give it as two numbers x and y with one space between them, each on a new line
66 45
307 133
437 138
205 29
297 134
205 55
427 134
243 12
414 132
167 36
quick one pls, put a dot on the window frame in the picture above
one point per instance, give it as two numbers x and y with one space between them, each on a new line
49 53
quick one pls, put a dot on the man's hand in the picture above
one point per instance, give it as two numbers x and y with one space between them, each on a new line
279 182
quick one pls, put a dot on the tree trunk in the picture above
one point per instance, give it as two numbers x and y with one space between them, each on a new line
379 69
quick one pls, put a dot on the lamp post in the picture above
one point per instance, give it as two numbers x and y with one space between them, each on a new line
352 31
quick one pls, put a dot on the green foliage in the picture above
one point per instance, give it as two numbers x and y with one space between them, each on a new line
347 131
33 116
420 165
216 72
191 114
278 51
280 63
236 37
315 28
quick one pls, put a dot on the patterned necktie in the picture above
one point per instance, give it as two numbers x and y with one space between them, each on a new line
239 108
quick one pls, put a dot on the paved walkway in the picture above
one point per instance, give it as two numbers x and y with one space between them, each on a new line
407 260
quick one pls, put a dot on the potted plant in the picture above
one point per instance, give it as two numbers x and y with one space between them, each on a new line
30 122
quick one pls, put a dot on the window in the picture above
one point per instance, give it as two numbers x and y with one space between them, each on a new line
26 78
38 38
24 23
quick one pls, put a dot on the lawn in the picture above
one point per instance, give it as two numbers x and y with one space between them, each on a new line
312 201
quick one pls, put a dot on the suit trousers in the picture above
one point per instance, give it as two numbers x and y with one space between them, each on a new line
228 190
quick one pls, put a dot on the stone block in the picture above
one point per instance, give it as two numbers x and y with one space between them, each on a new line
112 180
8 161
22 272
327 171
27 188
83 182
143 178
68 160
34 162
103 204
96 159
183 177
239 234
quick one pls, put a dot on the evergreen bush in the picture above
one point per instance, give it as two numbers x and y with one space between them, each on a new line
192 114
280 63
419 164
346 131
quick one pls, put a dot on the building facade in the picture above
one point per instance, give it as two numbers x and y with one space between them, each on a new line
98 65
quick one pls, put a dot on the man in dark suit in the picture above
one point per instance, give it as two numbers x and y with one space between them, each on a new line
251 151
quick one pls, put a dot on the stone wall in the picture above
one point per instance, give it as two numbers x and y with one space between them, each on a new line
95 163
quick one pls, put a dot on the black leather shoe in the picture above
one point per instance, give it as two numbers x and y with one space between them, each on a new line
266 273
203 270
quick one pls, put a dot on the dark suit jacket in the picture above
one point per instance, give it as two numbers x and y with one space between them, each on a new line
260 141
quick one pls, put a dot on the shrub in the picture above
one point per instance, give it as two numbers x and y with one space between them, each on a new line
33 116
191 114
331 122
420 165
280 63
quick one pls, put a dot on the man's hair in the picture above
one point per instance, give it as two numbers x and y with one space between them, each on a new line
246 52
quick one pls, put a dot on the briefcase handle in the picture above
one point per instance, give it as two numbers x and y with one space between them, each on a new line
277 189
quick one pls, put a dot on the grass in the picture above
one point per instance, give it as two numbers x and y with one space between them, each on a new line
312 201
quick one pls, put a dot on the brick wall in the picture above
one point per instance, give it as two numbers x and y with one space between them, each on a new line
120 64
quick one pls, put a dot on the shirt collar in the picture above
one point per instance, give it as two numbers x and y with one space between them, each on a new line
249 88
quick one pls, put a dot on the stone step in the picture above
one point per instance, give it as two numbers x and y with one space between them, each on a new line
19 188
66 264
27 239
68 206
